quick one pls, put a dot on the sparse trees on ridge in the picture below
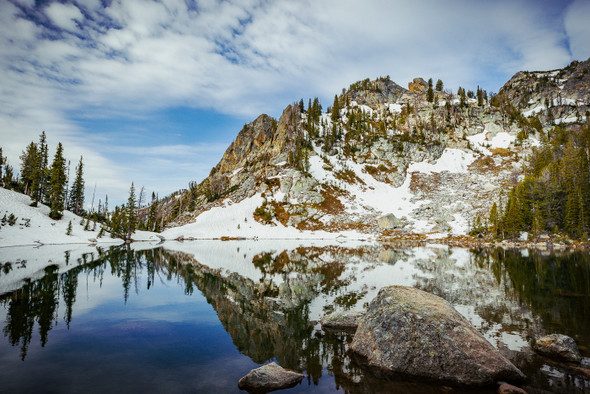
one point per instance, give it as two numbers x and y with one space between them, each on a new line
48 185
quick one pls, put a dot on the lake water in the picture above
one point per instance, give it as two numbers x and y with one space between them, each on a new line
197 316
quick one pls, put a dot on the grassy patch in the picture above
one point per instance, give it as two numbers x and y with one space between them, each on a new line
348 176
502 152
484 163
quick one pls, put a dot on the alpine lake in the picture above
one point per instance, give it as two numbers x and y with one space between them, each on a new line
197 316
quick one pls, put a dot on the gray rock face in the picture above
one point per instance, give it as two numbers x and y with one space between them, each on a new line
269 377
389 221
558 346
346 320
409 331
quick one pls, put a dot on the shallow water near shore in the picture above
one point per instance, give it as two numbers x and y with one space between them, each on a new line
197 316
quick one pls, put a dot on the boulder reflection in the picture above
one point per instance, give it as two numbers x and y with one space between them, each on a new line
510 296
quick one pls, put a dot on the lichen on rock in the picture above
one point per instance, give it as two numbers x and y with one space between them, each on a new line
411 332
558 346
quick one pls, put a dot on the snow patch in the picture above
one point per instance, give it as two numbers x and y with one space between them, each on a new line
452 160
502 140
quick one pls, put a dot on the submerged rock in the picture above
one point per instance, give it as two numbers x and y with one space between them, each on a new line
269 377
347 320
558 346
409 331
506 388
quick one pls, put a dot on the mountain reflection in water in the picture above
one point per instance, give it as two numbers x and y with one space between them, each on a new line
269 301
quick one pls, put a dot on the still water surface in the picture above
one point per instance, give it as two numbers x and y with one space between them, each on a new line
196 317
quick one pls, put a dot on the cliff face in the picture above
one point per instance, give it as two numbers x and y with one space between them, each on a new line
431 167
261 141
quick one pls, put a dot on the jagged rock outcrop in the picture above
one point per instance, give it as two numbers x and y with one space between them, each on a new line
261 141
373 93
409 331
418 85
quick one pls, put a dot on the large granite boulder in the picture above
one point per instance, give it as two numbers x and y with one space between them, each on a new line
411 332
389 221
269 377
558 346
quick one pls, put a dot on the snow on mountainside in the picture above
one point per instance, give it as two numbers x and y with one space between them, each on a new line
387 163
33 226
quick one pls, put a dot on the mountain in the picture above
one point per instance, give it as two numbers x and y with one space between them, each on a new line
388 161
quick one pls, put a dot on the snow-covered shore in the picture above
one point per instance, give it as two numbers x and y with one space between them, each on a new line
236 220
33 226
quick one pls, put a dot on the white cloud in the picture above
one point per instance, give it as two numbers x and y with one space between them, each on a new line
248 57
64 15
577 26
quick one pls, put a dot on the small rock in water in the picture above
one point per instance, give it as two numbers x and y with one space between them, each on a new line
558 346
348 320
269 377
506 388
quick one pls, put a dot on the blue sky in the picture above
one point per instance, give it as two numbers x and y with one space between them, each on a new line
154 91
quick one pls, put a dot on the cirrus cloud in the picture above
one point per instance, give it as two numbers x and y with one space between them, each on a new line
127 59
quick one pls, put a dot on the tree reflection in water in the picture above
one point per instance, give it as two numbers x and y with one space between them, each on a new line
271 317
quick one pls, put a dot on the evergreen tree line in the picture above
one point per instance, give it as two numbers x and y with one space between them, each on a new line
129 217
554 195
48 184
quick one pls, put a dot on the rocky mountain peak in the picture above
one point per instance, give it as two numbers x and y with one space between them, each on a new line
371 93
261 140
418 85
556 96
388 161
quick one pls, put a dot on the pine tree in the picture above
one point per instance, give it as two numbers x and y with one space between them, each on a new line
69 230
2 162
130 213
462 96
301 107
29 159
42 170
152 220
57 184
7 179
493 219
430 92
479 96
77 191
439 85
537 224
335 109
